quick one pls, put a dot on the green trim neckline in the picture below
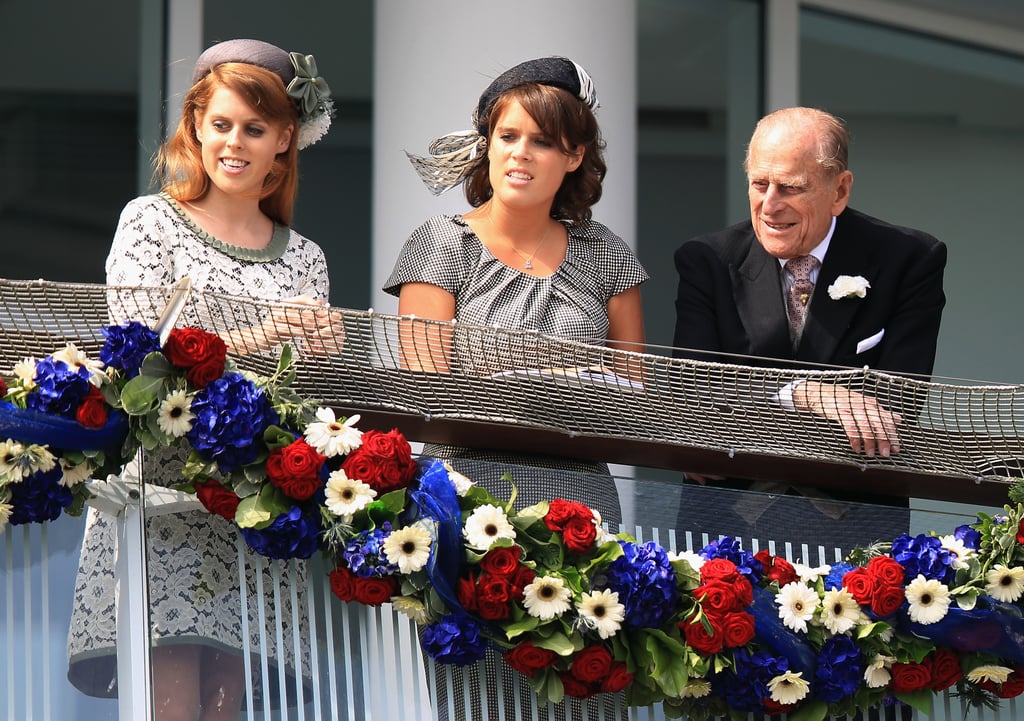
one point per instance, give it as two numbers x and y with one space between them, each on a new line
274 249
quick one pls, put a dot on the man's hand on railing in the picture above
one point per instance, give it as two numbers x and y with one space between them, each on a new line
870 427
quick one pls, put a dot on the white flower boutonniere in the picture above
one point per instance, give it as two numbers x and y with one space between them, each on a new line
849 286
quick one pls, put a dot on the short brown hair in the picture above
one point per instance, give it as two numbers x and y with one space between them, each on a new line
572 126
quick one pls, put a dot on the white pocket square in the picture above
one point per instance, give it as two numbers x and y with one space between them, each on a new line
870 342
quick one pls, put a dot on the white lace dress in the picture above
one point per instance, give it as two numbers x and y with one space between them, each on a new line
193 556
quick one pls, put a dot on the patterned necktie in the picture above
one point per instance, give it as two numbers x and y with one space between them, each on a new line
799 293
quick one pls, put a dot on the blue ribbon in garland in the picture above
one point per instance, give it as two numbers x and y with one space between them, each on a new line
770 630
435 498
30 426
990 627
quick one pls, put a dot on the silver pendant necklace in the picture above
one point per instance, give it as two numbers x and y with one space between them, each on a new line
528 264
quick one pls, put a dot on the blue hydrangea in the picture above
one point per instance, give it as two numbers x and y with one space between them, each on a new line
127 346
839 670
364 553
729 548
294 534
455 639
646 583
59 389
745 685
39 498
970 536
231 415
834 579
923 555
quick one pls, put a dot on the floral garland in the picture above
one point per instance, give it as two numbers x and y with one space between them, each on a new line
576 610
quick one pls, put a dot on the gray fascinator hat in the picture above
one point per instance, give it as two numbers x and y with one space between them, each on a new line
451 156
302 82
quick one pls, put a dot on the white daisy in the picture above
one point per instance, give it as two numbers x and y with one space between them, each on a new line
694 559
412 608
877 674
809 575
546 598
25 372
1005 584
957 548
602 612
696 688
839 611
5 514
18 461
74 474
928 599
76 359
797 604
408 548
603 536
332 437
485 525
462 483
345 496
995 674
175 415
788 688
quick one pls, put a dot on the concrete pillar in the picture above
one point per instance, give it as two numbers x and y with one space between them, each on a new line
432 61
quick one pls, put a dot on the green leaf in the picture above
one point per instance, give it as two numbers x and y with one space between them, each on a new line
548 686
813 710
558 642
920 700
667 667
142 394
259 511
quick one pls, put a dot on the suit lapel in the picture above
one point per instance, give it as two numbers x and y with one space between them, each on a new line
828 319
757 291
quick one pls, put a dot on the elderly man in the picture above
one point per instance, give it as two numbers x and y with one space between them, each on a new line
761 288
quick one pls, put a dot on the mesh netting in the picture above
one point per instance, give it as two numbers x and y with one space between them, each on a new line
363 359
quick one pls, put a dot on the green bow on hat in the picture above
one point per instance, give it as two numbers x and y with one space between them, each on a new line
307 87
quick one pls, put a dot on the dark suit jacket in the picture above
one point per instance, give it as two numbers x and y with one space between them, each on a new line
730 299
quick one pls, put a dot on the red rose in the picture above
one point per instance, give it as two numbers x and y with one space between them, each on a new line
295 469
575 688
528 659
217 499
1020 528
887 600
776 568
907 677
720 569
738 629
946 669
774 708
3 387
383 461
592 664
202 374
493 610
375 591
523 578
465 591
744 591
92 411
493 589
187 347
502 561
561 510
701 640
886 570
579 534
343 583
717 597
618 678
860 584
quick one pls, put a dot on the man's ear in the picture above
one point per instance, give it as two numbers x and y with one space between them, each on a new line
844 183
